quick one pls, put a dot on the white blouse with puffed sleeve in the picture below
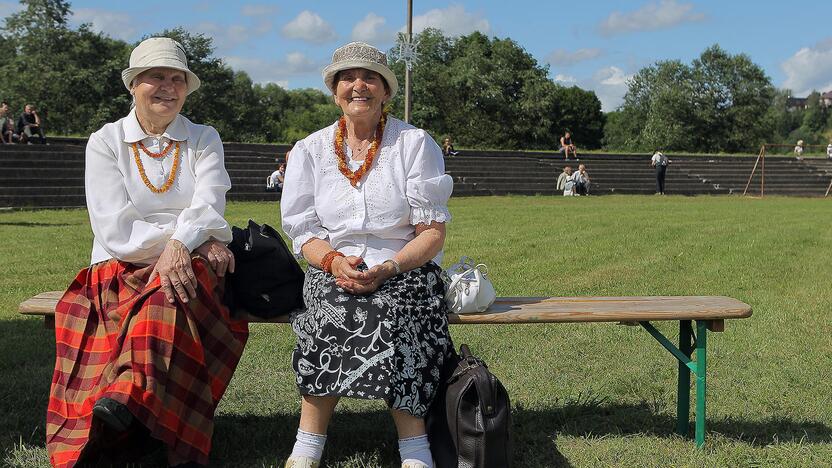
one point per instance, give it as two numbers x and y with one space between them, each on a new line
130 222
405 186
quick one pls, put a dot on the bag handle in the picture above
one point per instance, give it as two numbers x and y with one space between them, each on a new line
471 266
480 376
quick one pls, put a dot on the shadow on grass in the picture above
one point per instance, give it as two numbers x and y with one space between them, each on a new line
622 419
363 438
28 359
358 439
32 224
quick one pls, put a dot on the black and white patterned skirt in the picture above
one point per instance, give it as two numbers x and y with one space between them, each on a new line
389 345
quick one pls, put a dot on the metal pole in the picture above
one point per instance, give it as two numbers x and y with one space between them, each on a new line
762 150
407 104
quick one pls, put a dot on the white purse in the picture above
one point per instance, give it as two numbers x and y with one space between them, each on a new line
469 289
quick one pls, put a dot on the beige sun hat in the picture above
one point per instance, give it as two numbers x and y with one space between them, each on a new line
359 55
159 52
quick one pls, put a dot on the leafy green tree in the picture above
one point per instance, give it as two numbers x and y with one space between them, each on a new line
720 103
309 111
731 95
814 119
73 77
490 93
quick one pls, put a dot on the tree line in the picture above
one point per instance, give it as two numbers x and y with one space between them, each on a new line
484 92
720 103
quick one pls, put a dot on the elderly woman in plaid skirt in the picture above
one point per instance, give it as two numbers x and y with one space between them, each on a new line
145 347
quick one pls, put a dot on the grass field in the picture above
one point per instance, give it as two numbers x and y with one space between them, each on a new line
583 394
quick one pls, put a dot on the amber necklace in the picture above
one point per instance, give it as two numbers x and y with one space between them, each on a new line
160 154
340 133
173 170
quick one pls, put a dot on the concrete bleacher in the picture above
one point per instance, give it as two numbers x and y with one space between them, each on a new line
52 176
498 172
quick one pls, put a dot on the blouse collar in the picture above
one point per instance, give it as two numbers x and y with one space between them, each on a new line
133 132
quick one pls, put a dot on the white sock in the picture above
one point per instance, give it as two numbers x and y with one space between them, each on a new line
309 444
416 449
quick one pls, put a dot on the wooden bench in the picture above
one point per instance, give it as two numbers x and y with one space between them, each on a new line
709 313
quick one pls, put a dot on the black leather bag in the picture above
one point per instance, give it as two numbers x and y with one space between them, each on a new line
267 280
469 423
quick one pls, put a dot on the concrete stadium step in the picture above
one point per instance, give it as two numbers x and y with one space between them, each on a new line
24 163
41 201
47 173
45 191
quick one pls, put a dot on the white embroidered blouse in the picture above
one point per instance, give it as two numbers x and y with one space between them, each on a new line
405 186
133 224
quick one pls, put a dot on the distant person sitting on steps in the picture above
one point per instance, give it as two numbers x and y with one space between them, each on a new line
448 148
660 162
275 181
829 150
566 146
565 182
7 133
581 179
29 125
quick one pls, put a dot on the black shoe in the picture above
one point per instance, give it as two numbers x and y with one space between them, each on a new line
113 414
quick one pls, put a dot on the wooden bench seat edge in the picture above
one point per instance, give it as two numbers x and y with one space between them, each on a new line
518 310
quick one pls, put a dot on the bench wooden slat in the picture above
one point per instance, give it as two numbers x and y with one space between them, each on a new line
545 309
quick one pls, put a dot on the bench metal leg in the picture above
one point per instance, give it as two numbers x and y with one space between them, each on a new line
701 370
683 389
686 366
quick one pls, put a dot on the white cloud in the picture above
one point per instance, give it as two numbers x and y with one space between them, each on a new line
293 65
309 27
561 78
650 17
227 37
565 58
111 23
373 30
453 21
611 76
258 10
609 84
810 68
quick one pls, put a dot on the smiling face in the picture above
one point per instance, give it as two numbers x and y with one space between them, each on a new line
360 92
160 92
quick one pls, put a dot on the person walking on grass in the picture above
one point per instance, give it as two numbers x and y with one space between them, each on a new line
659 161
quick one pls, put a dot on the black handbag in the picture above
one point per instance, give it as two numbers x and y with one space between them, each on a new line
267 280
469 423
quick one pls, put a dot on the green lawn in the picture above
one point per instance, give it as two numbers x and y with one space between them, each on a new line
583 394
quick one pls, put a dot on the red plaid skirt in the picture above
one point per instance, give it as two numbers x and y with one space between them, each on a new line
118 337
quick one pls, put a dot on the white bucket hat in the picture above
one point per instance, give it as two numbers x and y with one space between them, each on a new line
159 52
359 55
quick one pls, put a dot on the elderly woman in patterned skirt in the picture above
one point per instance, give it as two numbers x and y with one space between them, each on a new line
365 203
145 347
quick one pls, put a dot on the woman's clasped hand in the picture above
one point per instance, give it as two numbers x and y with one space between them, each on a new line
354 281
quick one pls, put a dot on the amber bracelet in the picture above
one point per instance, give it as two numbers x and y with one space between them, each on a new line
326 262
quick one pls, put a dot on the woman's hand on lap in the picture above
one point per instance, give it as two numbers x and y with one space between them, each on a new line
219 257
373 279
175 272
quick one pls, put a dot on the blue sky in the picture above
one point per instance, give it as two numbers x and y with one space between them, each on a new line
595 45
